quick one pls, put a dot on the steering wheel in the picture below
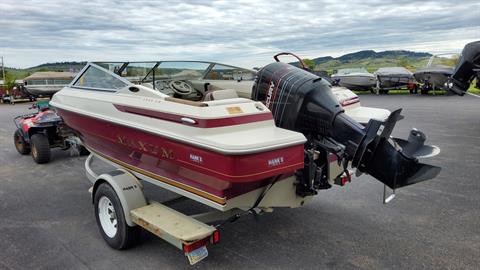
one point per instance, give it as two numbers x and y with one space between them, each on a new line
181 87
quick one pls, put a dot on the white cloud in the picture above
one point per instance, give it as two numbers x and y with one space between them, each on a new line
238 32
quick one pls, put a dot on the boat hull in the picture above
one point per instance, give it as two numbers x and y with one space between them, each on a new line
212 175
437 77
43 90
355 82
386 81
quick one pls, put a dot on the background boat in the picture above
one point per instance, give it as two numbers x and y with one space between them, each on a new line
393 77
354 79
47 83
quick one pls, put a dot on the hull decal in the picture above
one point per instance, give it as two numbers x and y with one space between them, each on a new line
195 191
198 122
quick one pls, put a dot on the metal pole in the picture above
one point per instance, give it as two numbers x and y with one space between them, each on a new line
3 72
3 76
4 81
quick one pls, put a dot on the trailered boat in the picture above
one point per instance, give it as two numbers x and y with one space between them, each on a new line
201 130
168 128
47 83
435 74
393 77
355 78
204 131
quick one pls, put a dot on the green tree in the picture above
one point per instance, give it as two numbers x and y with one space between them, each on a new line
403 62
9 82
309 63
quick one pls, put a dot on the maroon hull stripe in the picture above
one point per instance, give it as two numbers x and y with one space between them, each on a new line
224 176
350 101
199 122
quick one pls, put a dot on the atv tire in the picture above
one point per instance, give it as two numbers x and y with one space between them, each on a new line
40 148
20 144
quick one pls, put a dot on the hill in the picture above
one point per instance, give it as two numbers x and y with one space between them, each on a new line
372 60
58 66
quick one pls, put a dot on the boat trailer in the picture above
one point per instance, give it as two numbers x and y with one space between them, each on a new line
120 189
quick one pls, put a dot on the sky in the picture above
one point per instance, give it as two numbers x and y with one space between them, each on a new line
237 32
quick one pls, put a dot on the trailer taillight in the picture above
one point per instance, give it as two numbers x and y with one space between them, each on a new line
344 179
216 237
213 239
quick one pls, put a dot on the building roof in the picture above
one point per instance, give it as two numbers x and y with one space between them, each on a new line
50 75
16 81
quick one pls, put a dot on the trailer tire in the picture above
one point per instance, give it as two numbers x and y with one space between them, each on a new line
40 148
20 144
111 219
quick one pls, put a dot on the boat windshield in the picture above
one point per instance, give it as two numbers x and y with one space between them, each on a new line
443 60
148 72
163 76
178 71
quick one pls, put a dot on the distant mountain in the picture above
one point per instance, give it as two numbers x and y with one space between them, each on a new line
372 60
384 54
58 66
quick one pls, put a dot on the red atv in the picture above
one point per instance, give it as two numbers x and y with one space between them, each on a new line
39 132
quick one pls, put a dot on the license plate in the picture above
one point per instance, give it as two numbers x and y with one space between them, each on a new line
197 255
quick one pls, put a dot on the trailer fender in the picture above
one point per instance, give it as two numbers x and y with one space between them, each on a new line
128 189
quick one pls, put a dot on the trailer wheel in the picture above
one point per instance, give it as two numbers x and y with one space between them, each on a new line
20 144
40 148
111 220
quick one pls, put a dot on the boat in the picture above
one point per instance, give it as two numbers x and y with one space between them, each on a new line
393 77
354 79
433 77
199 129
466 70
176 131
350 102
435 74
47 83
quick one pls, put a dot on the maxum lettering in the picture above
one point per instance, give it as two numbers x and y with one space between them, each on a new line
147 147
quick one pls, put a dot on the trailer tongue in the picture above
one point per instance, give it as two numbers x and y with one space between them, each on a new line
303 102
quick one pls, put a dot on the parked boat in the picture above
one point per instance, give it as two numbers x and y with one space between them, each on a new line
467 69
393 78
433 77
47 83
354 79
217 149
194 135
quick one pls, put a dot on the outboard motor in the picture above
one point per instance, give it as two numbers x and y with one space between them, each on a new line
304 102
467 68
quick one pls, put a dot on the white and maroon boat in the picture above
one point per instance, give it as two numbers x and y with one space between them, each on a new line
201 130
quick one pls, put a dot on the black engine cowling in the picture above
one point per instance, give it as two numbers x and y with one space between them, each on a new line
304 102
467 69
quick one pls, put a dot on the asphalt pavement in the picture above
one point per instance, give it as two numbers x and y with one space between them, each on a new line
47 219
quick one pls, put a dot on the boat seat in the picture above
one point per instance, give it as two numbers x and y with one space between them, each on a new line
220 94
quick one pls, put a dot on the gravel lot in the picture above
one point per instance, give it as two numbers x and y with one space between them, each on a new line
47 219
